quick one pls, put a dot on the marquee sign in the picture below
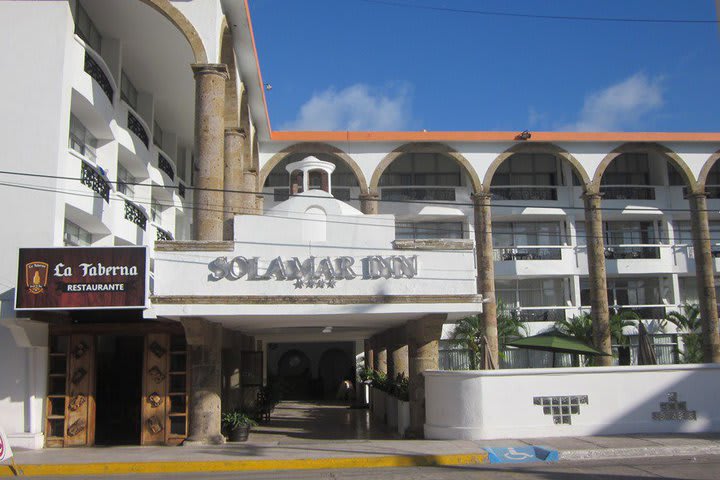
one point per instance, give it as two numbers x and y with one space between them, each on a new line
81 277
313 272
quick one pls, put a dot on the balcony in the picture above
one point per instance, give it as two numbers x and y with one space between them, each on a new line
627 192
136 126
418 194
622 252
93 68
506 254
135 214
95 181
524 192
165 166
534 261
633 259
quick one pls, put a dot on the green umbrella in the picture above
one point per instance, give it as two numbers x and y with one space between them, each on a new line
557 343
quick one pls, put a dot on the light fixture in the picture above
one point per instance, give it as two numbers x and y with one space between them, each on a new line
327 330
524 135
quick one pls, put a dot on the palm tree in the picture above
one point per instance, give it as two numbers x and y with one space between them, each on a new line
689 325
469 329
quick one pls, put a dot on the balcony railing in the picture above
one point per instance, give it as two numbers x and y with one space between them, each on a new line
524 192
627 192
163 234
164 165
713 191
93 69
95 181
281 194
539 314
622 252
136 127
418 193
508 254
135 215
181 189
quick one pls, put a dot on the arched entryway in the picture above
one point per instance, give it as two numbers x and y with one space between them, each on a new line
335 367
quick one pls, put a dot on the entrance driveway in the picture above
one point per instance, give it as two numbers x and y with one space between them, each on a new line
300 421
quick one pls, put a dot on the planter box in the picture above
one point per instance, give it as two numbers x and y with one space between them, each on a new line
391 409
379 405
403 417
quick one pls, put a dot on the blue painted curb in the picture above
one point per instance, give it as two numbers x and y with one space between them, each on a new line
528 454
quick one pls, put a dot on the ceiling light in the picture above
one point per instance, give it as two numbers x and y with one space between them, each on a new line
327 330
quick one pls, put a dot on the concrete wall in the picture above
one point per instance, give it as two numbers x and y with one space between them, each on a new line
598 401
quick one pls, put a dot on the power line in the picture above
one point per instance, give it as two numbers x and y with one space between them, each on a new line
539 17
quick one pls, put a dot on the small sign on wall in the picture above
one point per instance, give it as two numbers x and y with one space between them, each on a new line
81 277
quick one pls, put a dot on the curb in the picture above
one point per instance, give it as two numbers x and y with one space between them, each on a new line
639 452
78 469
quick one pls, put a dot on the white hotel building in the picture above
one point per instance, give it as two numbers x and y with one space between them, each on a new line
143 122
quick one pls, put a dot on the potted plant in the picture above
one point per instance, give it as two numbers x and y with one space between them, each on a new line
237 424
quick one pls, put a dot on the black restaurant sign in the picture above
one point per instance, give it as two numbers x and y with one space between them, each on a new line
71 278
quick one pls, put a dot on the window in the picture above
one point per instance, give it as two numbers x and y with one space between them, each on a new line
527 169
429 230
126 182
683 233
544 292
420 169
627 291
156 211
76 236
128 92
628 169
86 29
81 140
689 291
632 233
507 234
157 135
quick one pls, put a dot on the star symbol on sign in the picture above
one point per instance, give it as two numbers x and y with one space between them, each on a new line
320 283
331 283
310 283
298 283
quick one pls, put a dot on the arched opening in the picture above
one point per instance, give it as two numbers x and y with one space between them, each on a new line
709 178
294 375
345 184
530 185
334 367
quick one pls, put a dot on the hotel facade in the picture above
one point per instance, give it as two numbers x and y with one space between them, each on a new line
137 139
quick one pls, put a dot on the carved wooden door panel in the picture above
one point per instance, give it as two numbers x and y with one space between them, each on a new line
80 413
155 389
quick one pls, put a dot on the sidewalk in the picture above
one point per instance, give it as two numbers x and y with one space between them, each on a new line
326 454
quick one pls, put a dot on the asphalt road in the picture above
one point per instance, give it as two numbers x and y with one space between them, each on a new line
695 468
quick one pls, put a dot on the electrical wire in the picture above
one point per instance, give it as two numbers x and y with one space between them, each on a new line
494 13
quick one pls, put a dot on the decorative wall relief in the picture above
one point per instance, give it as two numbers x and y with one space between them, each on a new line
76 402
674 410
157 349
154 399
156 375
562 408
76 427
80 349
153 424
78 375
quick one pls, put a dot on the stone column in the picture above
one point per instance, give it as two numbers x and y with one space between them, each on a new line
486 270
369 355
259 204
209 150
233 183
381 364
704 272
247 198
204 354
422 336
369 203
398 351
599 309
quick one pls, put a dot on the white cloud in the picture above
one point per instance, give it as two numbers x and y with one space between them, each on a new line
620 106
357 107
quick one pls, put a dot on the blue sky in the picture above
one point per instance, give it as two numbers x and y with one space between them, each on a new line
355 65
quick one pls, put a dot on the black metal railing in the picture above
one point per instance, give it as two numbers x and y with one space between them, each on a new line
93 69
645 313
507 254
418 193
523 193
164 165
135 215
96 182
181 189
137 128
163 234
713 191
281 194
635 192
630 252
539 315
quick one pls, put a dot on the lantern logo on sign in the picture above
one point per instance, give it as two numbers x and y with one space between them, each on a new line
36 275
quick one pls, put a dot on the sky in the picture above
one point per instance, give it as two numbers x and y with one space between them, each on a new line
373 65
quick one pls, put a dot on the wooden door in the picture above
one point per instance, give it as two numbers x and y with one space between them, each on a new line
155 389
80 405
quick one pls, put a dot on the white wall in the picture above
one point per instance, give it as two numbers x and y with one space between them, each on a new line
501 404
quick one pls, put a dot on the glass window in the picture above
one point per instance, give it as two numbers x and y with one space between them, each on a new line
156 211
683 232
126 182
527 169
628 169
76 236
507 234
429 230
630 233
81 140
86 29
128 92
546 292
626 291
422 169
